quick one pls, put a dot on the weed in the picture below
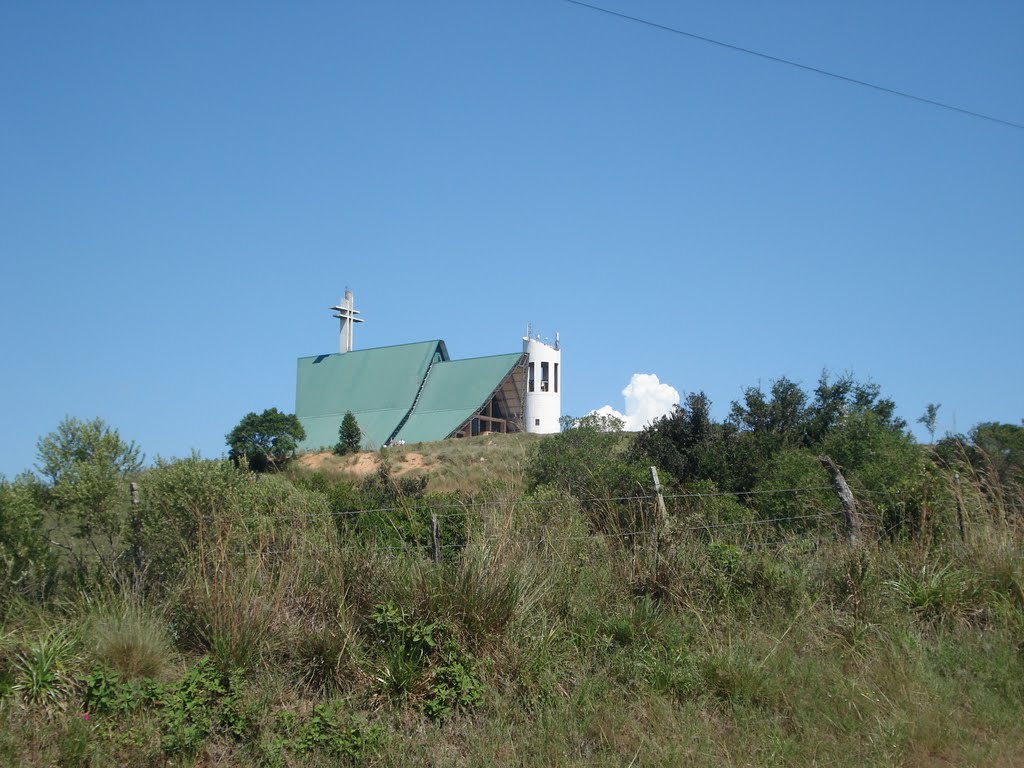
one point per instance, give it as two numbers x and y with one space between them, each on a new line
106 693
131 640
189 710
324 732
454 686
932 594
43 672
405 644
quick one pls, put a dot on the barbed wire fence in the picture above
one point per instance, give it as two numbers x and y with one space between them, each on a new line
652 524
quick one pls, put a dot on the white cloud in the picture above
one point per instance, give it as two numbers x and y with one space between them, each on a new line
646 400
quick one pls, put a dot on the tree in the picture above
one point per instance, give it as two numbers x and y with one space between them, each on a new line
87 465
931 414
265 440
688 443
75 443
28 566
349 435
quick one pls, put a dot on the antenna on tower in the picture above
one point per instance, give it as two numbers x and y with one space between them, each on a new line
346 314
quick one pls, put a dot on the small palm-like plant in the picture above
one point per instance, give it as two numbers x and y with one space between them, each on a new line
42 674
933 593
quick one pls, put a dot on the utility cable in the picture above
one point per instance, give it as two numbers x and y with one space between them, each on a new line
798 65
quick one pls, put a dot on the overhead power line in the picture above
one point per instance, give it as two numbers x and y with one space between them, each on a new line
798 65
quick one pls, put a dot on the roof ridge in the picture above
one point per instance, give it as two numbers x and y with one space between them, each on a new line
373 349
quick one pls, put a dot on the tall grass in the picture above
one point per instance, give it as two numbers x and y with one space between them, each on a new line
544 636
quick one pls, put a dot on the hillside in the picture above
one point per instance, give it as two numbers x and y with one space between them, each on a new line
312 617
465 465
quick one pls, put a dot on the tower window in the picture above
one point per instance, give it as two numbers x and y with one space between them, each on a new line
536 422
544 377
556 377
531 377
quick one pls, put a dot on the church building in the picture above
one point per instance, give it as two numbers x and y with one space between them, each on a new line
415 393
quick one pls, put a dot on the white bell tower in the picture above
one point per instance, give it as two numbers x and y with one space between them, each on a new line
543 384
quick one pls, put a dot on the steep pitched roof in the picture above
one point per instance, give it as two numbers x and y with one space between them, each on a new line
378 386
453 392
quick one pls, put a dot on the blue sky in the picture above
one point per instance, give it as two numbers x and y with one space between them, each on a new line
186 187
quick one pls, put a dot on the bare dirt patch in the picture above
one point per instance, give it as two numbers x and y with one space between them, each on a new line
409 462
364 464
314 461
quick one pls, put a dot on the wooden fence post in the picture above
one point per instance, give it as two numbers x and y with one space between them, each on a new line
435 538
136 522
845 498
662 517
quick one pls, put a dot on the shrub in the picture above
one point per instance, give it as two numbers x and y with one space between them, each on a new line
591 461
43 672
28 567
130 639
421 660
932 593
775 498
325 732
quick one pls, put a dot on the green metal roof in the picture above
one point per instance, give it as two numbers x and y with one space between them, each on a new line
453 392
378 385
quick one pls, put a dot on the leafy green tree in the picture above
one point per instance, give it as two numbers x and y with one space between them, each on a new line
349 435
689 444
75 443
27 564
929 418
265 440
87 465
736 454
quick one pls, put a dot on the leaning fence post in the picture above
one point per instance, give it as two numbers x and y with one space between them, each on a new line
435 538
137 554
662 512
845 498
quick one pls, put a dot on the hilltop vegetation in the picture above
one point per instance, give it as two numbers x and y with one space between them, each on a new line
517 600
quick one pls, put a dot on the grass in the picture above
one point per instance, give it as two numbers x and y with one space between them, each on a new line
131 639
469 465
536 641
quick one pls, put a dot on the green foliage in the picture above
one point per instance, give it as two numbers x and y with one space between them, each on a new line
455 685
325 732
43 673
393 511
596 646
591 461
179 501
130 639
265 441
190 709
106 693
689 444
487 589
775 498
929 418
76 444
933 593
416 661
349 435
87 465
405 643
885 464
28 568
